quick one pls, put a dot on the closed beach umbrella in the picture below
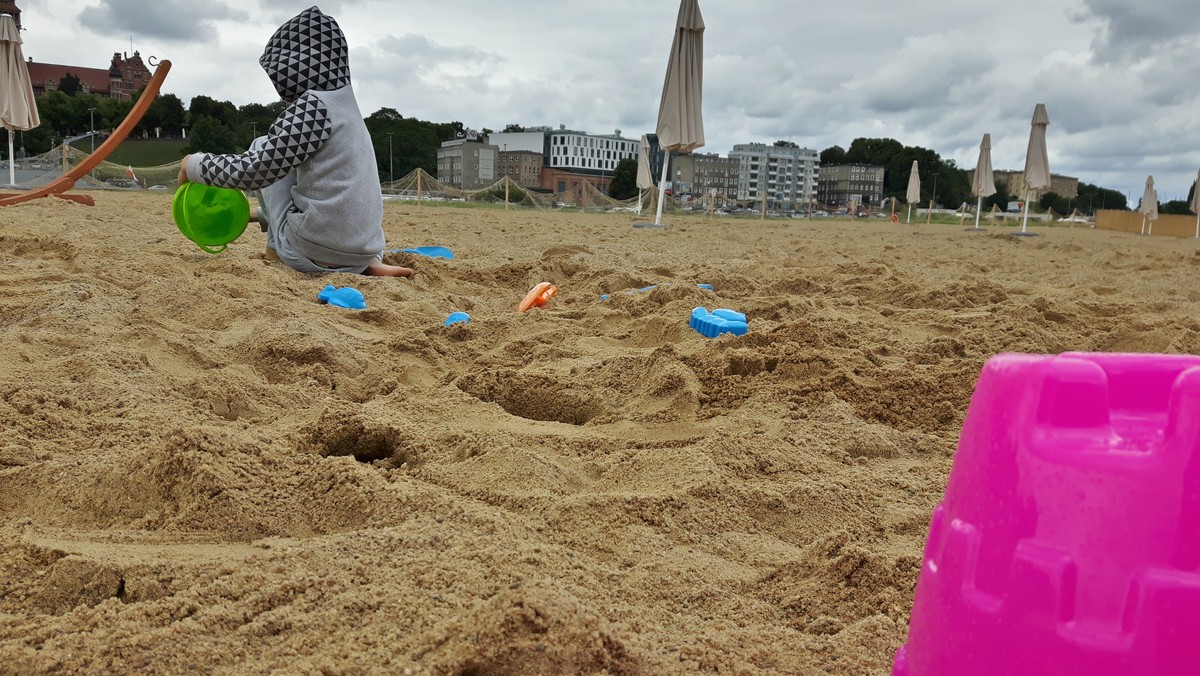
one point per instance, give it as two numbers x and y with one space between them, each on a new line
914 190
1196 202
984 184
18 109
1149 206
645 178
1037 162
680 123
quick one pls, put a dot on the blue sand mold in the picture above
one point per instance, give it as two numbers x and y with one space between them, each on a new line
346 297
430 251
713 324
458 318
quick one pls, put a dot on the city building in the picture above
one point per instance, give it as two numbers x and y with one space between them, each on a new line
467 164
786 177
524 167
570 156
704 177
1014 182
123 79
845 184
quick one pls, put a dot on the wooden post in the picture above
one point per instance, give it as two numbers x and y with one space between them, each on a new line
929 214
419 172
764 207
506 192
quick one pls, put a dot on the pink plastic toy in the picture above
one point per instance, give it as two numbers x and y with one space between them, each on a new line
1068 541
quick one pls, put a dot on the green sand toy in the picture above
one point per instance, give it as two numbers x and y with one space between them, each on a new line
209 216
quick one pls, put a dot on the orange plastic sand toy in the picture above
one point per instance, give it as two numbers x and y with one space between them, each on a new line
538 296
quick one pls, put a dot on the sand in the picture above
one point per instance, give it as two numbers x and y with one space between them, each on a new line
203 469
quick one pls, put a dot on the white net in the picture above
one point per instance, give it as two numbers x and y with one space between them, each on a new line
419 186
38 170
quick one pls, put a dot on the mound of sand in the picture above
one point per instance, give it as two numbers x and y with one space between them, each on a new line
203 469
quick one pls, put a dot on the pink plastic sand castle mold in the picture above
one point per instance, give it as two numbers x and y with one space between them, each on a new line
1068 541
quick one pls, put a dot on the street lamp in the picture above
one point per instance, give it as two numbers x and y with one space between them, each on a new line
390 179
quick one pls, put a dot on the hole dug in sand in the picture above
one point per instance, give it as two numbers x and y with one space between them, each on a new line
345 432
534 397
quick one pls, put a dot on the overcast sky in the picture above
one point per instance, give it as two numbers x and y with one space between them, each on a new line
1120 78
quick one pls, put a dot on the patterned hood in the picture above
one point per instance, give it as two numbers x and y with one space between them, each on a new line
309 52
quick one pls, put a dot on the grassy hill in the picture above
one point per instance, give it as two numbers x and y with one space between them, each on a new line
141 152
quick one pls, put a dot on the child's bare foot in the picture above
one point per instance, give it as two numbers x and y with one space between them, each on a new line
380 269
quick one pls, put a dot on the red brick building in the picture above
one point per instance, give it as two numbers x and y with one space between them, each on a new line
123 78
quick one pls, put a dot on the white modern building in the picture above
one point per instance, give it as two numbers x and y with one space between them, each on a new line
570 150
787 175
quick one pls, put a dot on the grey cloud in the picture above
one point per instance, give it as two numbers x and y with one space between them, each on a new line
1133 31
169 20
420 51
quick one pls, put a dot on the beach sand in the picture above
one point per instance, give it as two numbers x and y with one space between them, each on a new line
203 469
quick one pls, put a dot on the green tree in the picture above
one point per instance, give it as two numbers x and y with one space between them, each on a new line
165 113
210 136
1180 207
70 85
256 120
785 144
513 128
833 156
1052 200
404 144
624 182
873 151
1000 199
221 111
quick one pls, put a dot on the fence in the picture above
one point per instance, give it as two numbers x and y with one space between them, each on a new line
1167 225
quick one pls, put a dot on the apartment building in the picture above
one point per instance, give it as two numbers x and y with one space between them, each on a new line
704 176
467 164
787 176
843 184
1014 181
523 167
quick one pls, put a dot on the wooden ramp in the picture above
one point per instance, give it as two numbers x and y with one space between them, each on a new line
62 184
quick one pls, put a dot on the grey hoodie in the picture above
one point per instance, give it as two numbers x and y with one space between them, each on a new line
338 207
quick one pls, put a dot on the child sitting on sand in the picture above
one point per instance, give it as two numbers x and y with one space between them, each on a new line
314 172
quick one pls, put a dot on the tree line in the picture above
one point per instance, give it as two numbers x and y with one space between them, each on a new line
401 144
945 183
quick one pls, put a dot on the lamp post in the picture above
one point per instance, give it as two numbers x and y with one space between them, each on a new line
390 179
253 130
92 126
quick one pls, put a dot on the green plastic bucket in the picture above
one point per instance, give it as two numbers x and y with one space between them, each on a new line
209 216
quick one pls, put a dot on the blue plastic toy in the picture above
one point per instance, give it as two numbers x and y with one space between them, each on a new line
713 324
458 318
427 251
346 297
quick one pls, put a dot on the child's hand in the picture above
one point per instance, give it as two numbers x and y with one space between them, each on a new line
183 177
